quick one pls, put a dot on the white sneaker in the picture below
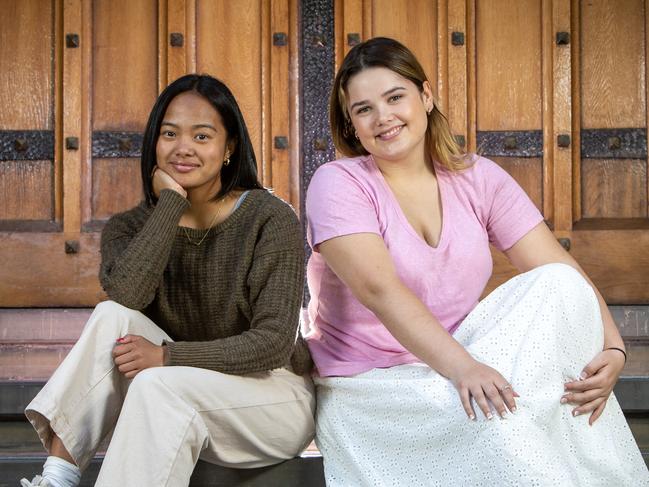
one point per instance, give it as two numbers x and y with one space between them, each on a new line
37 481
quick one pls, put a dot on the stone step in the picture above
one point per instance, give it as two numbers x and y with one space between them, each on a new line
21 455
298 472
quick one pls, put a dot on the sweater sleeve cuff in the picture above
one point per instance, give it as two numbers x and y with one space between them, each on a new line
170 205
193 354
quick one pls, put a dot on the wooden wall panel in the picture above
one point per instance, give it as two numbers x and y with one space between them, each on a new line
612 43
27 101
121 183
26 190
124 87
508 58
614 188
412 22
613 90
124 59
231 51
36 271
26 77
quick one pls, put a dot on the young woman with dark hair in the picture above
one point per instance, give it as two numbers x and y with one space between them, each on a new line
408 360
195 355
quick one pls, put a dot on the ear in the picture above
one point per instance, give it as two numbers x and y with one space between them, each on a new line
427 96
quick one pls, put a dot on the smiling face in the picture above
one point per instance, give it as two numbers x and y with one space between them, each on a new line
389 114
192 145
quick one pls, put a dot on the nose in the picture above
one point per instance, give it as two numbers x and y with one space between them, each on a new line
184 146
383 114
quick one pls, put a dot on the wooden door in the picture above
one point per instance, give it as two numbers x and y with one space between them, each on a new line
78 80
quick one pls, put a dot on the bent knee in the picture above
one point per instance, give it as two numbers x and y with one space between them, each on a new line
147 380
113 308
562 275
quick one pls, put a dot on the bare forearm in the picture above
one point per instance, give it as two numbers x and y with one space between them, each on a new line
413 325
612 336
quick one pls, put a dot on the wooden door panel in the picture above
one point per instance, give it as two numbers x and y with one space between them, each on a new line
27 185
231 51
124 87
612 63
26 191
118 186
614 188
508 65
26 78
610 235
38 271
412 22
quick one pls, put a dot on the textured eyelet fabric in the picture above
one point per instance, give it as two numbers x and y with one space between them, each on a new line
405 426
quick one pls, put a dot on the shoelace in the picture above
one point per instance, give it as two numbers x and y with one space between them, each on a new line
37 481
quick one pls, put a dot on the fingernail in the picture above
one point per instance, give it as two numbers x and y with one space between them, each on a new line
120 339
503 415
576 413
513 410
583 375
564 400
472 417
490 416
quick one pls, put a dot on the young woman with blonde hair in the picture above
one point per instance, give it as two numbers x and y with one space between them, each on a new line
409 362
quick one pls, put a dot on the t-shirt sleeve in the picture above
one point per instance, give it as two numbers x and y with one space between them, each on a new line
337 204
510 213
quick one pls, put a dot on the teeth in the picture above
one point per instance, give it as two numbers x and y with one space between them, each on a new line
391 132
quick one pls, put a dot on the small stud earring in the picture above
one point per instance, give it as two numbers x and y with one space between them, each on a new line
227 161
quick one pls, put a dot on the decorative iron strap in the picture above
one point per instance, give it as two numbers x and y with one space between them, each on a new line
528 143
317 21
614 143
116 144
317 74
26 145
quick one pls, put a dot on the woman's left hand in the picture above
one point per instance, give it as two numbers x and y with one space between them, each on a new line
598 379
134 353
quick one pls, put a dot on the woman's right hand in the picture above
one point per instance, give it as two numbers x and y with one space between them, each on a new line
475 380
162 180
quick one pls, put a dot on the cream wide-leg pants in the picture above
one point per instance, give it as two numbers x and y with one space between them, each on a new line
166 418
405 425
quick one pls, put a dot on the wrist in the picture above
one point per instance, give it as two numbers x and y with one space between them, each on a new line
619 350
165 354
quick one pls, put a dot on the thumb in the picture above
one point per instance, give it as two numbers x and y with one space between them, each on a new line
593 366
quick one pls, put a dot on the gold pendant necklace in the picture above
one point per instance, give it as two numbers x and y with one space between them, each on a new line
218 212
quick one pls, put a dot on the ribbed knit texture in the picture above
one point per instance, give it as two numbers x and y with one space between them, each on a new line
231 304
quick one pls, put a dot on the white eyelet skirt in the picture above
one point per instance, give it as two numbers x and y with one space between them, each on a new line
405 425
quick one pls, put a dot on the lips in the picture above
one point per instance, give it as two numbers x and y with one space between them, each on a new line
390 133
183 167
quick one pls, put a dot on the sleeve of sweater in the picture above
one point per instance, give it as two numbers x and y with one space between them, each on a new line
134 256
275 282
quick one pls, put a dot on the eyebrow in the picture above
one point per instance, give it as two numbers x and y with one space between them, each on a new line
389 92
197 126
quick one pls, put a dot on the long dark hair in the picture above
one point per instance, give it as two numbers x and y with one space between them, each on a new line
387 53
242 170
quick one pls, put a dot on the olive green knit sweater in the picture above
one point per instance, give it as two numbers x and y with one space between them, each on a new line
231 304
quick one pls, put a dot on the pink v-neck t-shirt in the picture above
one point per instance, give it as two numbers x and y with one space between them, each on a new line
480 205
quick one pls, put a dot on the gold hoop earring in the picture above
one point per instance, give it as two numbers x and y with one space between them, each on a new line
227 161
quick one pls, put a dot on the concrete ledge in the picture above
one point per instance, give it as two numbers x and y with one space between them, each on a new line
298 472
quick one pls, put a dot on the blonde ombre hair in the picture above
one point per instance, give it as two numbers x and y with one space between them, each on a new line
383 52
